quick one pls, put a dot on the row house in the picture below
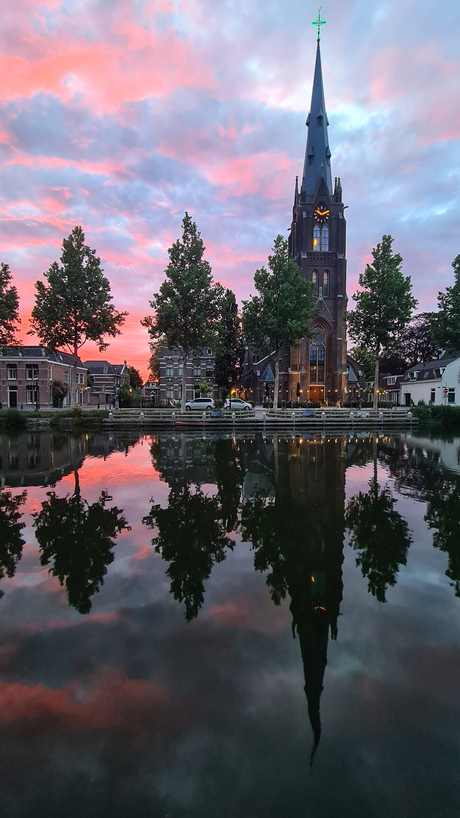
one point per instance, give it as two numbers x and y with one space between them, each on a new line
106 380
32 377
197 370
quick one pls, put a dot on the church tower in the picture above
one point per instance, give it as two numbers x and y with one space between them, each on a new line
317 243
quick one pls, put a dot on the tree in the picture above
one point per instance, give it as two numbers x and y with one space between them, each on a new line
187 304
364 357
415 343
78 537
135 380
443 514
383 306
230 350
379 534
445 324
74 305
9 308
283 311
154 360
192 538
11 540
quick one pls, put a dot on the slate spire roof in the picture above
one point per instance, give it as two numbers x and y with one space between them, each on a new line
317 154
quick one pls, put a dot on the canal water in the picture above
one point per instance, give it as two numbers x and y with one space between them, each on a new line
196 627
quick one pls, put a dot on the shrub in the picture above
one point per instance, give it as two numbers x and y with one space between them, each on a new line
13 418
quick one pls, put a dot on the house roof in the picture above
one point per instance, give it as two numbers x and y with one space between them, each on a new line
38 352
428 370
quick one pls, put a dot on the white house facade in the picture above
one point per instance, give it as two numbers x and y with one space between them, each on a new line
435 382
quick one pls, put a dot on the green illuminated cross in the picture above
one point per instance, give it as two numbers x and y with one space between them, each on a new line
319 22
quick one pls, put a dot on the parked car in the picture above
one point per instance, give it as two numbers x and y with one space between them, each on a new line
200 403
237 403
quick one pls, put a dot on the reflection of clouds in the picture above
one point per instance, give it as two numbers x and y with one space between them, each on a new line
129 711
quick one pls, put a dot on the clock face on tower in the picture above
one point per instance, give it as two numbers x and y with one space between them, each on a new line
321 213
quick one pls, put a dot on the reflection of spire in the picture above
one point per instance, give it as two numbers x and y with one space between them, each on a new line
314 608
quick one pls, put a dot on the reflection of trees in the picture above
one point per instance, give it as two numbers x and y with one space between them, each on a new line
379 534
229 475
78 537
191 537
11 541
443 513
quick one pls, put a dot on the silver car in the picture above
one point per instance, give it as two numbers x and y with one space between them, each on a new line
200 403
237 403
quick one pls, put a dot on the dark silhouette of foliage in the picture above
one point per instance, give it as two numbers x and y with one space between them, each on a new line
445 324
11 541
443 514
230 350
229 475
270 316
192 538
380 536
9 308
186 307
384 304
78 538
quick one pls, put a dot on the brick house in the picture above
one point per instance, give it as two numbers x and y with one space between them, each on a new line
30 378
106 379
198 370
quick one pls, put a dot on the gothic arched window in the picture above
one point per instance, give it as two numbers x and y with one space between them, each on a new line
314 279
325 237
316 237
325 284
317 359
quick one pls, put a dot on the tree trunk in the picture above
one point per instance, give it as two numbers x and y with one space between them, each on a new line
183 399
74 395
277 379
376 381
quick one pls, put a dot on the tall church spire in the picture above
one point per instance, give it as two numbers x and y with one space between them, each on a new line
317 154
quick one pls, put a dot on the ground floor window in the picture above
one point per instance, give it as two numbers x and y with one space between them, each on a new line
32 394
432 395
170 392
451 396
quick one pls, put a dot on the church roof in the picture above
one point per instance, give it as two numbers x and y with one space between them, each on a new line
317 154
268 376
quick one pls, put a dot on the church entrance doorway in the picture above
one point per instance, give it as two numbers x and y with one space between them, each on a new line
316 393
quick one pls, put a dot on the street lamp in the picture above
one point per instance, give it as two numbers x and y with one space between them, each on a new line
230 381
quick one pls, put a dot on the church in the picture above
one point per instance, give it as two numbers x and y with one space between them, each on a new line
315 370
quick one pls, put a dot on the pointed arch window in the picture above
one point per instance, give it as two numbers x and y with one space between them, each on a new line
325 284
314 279
317 359
321 237
316 237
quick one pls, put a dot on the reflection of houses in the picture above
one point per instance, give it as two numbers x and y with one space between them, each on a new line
33 377
443 454
39 458
435 382
181 458
106 379
197 370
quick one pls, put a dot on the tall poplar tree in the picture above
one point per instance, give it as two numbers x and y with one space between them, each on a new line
384 304
74 305
284 310
230 350
9 308
187 303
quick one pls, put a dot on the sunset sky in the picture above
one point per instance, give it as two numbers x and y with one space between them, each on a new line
119 115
